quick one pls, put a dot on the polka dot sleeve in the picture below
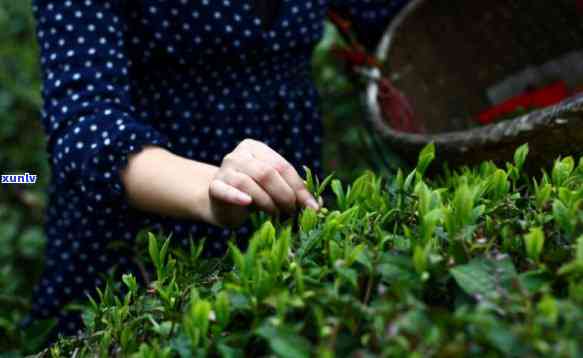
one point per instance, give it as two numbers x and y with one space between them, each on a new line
370 18
87 112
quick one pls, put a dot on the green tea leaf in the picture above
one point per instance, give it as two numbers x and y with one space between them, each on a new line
310 183
520 156
237 256
223 309
562 170
421 258
563 216
153 249
339 192
348 275
533 243
397 269
324 184
308 219
482 276
426 156
284 341
534 281
230 352
579 249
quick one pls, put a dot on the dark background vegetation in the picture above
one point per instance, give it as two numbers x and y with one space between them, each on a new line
22 149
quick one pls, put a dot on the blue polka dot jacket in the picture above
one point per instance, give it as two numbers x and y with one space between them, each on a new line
193 76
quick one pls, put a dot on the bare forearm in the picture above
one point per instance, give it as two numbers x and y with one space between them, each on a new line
161 182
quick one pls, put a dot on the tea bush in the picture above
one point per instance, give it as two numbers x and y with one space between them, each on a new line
481 261
22 149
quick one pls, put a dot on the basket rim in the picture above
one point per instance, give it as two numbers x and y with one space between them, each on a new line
561 114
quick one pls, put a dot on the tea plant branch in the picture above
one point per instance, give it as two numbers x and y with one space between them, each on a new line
368 290
334 335
14 302
371 277
143 272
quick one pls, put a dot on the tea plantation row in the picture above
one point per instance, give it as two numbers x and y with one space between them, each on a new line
482 261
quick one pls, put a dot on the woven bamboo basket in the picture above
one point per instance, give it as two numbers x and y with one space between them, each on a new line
458 59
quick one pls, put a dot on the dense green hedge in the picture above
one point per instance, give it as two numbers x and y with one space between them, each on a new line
483 261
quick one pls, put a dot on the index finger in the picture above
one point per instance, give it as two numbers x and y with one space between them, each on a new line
288 172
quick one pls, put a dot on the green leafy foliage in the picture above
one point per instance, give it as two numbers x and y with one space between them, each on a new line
483 261
455 266
22 149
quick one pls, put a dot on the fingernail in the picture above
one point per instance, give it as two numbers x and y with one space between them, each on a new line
245 197
313 204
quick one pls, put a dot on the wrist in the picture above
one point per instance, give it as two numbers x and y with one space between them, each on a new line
162 182
199 204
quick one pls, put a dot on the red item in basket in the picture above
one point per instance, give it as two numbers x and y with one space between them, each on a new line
540 98
397 108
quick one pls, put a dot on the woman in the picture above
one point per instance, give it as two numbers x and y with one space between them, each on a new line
176 115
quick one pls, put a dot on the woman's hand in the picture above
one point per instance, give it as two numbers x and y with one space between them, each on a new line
255 174
161 182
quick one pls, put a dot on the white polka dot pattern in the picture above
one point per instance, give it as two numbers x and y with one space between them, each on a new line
193 76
